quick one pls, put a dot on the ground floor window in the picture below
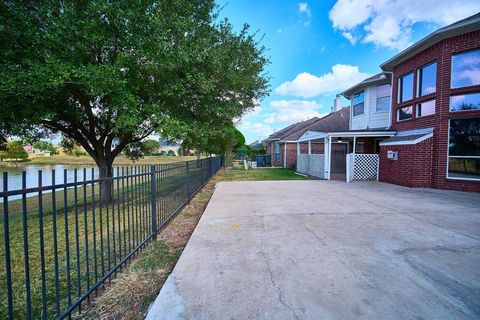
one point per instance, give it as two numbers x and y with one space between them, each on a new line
277 151
404 113
464 149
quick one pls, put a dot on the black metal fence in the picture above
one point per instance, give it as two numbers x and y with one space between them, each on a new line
63 241
264 160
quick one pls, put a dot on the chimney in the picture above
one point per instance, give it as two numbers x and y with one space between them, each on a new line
337 103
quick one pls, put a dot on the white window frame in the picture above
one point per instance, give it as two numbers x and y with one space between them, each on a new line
353 105
448 160
419 79
455 95
390 99
400 86
428 115
451 68
398 113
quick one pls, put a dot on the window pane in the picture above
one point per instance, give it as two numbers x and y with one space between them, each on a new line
464 168
358 104
426 108
405 113
466 69
383 104
277 147
383 90
428 77
406 84
358 98
464 139
358 109
465 102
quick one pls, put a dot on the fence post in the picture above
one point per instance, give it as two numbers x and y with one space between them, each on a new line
188 179
154 201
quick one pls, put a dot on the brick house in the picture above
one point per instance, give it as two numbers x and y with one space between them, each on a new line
436 111
280 144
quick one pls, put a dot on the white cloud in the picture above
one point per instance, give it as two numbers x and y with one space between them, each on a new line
305 84
304 8
256 128
350 37
290 111
387 23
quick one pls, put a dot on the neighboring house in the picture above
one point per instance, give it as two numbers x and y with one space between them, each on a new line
166 145
256 144
436 111
277 146
357 129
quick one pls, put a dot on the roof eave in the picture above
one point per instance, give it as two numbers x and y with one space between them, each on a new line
431 39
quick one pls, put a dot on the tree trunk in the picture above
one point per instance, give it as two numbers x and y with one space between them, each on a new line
105 173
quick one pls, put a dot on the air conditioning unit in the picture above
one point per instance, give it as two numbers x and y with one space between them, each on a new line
392 155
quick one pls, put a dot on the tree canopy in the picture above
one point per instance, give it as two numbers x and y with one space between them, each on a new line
14 150
100 72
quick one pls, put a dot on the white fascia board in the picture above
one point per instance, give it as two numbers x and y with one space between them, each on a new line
312 135
407 142
363 134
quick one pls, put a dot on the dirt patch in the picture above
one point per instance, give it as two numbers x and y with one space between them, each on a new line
130 294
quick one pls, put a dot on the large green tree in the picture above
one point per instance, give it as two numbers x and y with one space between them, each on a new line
224 141
100 72
14 150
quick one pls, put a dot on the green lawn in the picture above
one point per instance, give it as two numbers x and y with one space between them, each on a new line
87 160
262 174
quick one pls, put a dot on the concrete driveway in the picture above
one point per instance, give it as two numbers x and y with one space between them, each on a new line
328 250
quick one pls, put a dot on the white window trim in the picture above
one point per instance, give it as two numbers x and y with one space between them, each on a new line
428 115
456 95
353 105
400 86
448 160
419 71
451 69
398 114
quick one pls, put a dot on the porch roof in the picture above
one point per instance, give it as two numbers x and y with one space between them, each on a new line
314 135
408 137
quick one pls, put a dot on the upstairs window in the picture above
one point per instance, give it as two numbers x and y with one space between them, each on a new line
358 104
426 108
404 113
427 79
466 69
464 149
465 102
383 97
405 88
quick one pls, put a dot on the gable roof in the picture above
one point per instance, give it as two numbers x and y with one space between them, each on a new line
466 25
333 122
283 133
379 78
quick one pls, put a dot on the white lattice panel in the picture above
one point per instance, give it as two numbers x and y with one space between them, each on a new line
365 167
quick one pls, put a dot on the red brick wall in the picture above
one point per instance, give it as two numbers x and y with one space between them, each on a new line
413 167
442 54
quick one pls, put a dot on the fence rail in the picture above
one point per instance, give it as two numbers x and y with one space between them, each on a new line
63 241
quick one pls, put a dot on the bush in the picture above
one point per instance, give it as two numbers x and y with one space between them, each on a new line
171 153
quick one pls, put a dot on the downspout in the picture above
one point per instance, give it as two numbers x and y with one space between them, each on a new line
391 100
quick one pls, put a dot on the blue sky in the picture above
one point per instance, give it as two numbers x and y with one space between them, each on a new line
319 48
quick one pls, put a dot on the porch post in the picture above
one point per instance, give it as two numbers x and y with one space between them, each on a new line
326 152
298 147
309 146
354 143
285 155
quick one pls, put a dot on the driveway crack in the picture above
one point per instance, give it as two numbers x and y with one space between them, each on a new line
279 291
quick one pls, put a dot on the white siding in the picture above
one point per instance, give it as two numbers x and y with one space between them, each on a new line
371 119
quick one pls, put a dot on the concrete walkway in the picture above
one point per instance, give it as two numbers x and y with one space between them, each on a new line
328 250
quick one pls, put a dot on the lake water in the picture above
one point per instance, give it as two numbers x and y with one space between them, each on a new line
15 175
